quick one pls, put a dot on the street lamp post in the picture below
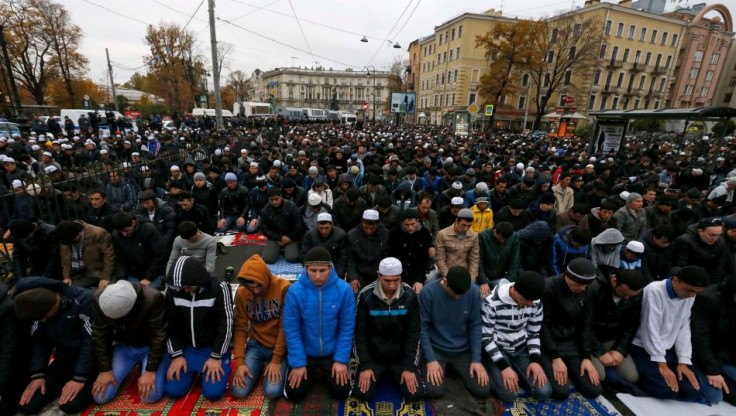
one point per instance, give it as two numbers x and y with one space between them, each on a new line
374 89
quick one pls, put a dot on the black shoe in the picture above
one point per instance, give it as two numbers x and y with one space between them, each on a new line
221 248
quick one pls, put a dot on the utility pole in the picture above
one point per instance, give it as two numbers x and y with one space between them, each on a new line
215 64
16 107
112 81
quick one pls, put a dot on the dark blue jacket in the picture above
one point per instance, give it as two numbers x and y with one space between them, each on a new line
67 334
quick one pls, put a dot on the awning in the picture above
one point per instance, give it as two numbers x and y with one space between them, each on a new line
575 115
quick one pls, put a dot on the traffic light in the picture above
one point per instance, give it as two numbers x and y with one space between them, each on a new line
365 106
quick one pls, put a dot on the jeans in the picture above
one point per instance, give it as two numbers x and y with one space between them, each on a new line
230 221
124 358
518 361
460 362
196 357
272 250
251 230
651 381
157 283
256 355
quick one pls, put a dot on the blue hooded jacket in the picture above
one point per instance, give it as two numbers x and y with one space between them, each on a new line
319 321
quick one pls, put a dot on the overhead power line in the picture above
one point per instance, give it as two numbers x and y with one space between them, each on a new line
301 29
116 13
389 32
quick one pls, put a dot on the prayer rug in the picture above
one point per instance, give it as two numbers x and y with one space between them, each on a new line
575 404
243 239
286 270
646 406
128 403
317 403
387 402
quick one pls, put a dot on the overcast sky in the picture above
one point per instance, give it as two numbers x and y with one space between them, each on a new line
265 34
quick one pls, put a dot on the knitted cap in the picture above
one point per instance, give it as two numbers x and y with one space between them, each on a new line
318 255
199 176
581 270
34 304
117 299
633 196
693 275
530 285
230 177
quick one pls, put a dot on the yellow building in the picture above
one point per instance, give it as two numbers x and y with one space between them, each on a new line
413 74
449 65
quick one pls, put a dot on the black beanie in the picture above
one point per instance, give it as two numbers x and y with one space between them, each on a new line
318 255
581 270
353 193
21 228
547 198
530 285
34 304
458 279
518 204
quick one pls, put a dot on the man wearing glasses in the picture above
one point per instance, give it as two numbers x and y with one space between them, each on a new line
368 243
259 306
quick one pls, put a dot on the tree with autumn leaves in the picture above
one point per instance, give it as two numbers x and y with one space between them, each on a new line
42 45
553 53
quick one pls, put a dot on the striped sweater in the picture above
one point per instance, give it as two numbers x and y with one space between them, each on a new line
509 327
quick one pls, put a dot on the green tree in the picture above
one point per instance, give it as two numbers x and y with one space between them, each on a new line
123 102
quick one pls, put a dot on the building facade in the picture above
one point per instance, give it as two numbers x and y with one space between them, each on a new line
726 88
359 92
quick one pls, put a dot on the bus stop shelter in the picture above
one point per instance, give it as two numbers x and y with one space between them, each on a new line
610 126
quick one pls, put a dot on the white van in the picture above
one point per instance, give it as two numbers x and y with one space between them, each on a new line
348 119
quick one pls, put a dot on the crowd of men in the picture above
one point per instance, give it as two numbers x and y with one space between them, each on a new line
516 263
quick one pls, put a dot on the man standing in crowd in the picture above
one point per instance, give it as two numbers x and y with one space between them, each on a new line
452 339
259 335
318 294
387 334
457 245
512 319
100 211
367 245
189 210
129 327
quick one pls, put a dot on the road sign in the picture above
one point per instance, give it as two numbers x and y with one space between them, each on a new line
473 108
273 83
86 97
489 109
567 99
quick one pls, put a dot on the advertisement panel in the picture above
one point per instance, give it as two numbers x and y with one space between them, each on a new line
461 120
403 102
608 136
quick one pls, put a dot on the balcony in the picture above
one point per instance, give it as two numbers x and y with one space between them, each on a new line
637 67
659 70
608 89
615 63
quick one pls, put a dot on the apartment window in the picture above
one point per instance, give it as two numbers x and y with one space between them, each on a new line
608 27
524 80
732 83
688 90
625 103
439 58
704 92
453 96
693 73
444 56
451 51
620 31
436 100
642 81
571 53
449 76
550 57
615 103
664 38
568 76
471 98
626 54
546 80
597 77
591 102
648 58
609 76
674 40
643 34
437 79
656 104
553 37
455 78
654 36
453 34
698 56
631 82
460 34
659 60
614 53
603 51
636 103
620 81
577 30
603 103
637 57
669 61
327 81
714 58
476 75
632 31
662 84
457 52
440 39
442 80
709 75
522 101
727 98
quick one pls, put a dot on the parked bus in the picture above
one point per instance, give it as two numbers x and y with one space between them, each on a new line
251 108
290 113
314 114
